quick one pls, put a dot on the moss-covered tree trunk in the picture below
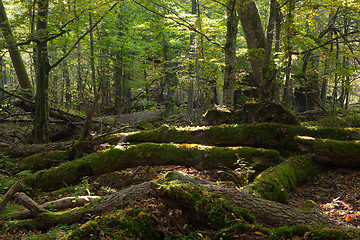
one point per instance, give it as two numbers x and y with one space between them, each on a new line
266 135
334 152
150 154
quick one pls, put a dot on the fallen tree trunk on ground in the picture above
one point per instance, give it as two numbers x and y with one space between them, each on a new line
277 182
265 212
150 154
266 135
334 152
24 150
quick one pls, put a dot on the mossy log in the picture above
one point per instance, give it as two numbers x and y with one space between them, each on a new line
276 182
334 152
150 154
44 160
266 135
264 211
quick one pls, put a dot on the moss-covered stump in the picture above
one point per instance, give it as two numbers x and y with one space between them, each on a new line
276 182
150 154
44 160
335 152
266 135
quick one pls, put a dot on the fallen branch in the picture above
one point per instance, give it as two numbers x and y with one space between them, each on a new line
57 205
9 194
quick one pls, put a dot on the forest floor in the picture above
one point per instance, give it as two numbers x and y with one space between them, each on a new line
336 191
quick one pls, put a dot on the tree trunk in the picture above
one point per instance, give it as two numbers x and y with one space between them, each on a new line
40 132
230 55
92 57
334 152
255 39
15 55
266 135
190 90
151 154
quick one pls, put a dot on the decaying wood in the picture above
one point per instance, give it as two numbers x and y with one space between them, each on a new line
57 205
335 152
27 202
9 194
265 212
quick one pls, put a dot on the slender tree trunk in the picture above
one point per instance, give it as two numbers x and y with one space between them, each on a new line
92 58
66 77
15 55
41 119
268 69
190 90
230 55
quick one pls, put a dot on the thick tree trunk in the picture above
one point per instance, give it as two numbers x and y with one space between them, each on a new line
266 135
255 38
265 212
15 55
334 152
150 154
230 55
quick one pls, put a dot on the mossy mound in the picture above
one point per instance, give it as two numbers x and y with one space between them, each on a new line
258 112
252 112
217 115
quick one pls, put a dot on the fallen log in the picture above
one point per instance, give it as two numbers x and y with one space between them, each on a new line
150 154
275 183
334 152
44 160
264 211
24 150
266 135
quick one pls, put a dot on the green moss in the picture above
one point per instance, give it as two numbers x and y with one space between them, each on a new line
134 224
276 183
289 232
